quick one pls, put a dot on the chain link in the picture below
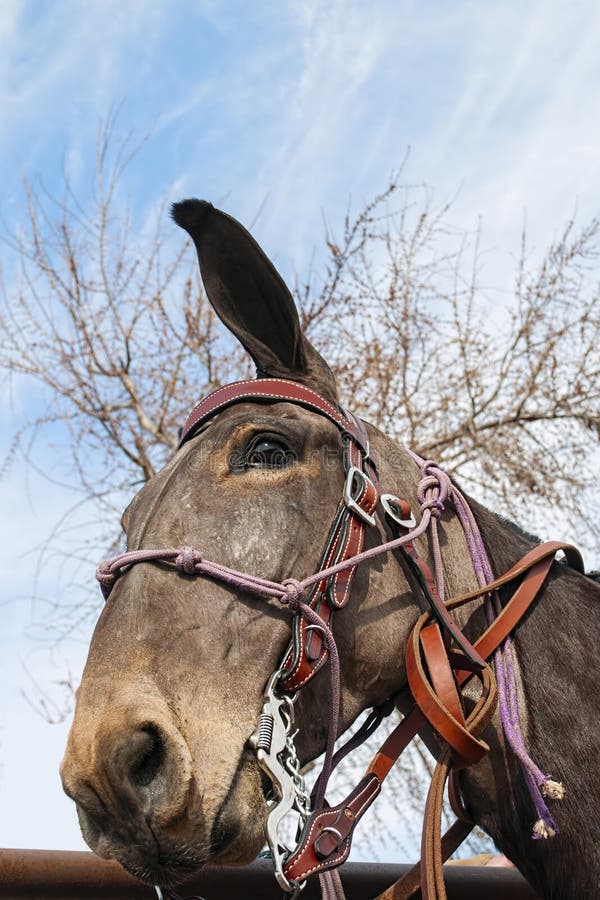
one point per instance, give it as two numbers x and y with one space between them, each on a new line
292 764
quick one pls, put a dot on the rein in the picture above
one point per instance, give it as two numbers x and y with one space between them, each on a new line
439 658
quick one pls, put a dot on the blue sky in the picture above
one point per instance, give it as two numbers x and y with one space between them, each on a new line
279 112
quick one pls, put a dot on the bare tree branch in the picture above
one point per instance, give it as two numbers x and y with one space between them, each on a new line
115 336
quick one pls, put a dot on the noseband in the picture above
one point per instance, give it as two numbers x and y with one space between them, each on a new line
439 658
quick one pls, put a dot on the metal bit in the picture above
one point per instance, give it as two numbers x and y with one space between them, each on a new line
276 754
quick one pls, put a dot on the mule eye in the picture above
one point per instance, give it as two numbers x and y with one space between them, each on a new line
269 454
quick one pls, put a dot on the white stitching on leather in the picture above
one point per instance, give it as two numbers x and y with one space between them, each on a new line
322 404
328 862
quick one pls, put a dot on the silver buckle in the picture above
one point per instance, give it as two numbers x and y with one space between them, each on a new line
388 501
355 474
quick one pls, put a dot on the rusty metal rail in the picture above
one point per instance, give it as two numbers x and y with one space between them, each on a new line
74 875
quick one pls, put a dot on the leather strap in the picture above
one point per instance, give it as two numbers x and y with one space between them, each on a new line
270 390
453 730
396 743
307 652
535 566
432 855
440 672
351 541
540 559
465 742
427 582
328 834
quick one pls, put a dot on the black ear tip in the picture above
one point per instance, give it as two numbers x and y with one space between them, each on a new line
191 214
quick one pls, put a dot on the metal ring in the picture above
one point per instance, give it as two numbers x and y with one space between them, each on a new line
336 833
389 501
290 886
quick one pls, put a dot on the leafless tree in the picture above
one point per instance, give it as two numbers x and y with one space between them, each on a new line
504 391
112 331
115 332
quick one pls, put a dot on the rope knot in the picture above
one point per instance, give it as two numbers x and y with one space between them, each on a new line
433 488
436 507
293 594
187 560
105 577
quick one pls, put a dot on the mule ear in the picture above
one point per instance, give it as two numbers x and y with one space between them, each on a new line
250 297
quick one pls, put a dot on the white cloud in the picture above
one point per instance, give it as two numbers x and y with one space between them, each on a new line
9 20
335 49
523 133
500 100
56 68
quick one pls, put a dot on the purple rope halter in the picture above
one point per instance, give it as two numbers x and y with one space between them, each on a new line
434 490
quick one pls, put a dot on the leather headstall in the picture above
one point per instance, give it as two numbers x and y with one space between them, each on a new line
439 658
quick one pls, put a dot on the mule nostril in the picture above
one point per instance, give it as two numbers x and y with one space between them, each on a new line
140 769
148 754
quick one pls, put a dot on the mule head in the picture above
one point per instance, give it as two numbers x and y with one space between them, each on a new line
158 758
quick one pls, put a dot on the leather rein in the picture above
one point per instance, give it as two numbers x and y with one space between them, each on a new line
440 660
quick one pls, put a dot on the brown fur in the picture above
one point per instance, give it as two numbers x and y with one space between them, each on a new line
158 759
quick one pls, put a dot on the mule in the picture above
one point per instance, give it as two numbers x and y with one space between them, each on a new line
160 760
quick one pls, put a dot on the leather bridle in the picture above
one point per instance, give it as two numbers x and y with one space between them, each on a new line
439 657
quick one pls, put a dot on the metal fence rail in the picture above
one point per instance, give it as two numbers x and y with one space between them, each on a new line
71 875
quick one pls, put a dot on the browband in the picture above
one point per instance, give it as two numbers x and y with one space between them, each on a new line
272 390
